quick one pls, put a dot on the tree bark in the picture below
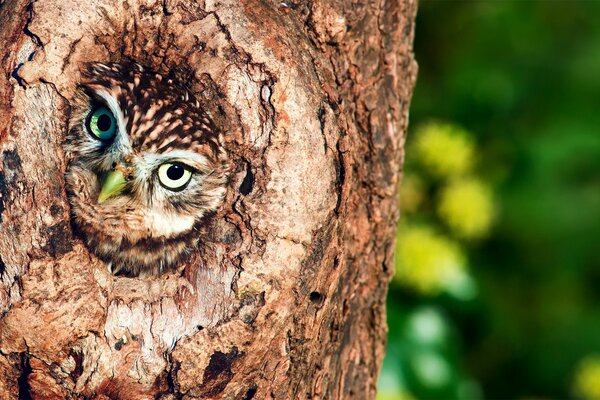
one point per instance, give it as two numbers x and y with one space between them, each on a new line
285 297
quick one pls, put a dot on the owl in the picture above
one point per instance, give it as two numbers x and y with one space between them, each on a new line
147 167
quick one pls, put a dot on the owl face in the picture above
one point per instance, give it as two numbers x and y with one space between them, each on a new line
147 167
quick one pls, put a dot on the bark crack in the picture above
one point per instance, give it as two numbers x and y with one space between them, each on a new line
165 11
23 380
340 177
72 47
35 38
21 82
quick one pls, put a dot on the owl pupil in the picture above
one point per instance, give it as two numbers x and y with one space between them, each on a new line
175 172
104 122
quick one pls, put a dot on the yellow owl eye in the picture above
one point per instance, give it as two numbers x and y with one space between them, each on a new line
101 123
174 176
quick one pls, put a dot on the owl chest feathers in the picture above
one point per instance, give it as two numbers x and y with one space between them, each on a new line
168 225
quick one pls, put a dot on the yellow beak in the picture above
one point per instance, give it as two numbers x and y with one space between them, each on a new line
114 183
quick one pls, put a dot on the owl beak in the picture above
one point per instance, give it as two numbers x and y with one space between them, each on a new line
112 186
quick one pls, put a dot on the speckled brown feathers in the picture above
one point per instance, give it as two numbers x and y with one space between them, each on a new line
161 113
147 227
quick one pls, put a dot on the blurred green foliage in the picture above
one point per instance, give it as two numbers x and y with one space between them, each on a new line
498 264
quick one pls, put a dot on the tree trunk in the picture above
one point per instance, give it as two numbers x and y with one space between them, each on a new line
285 296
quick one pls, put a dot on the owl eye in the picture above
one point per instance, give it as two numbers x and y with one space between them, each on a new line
101 123
174 176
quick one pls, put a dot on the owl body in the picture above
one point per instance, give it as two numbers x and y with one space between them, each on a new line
147 167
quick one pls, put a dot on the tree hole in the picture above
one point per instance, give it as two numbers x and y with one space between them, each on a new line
316 298
250 393
24 389
248 182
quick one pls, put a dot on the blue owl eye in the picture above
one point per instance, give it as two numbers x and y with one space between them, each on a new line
101 123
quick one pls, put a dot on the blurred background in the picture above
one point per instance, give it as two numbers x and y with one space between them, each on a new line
497 286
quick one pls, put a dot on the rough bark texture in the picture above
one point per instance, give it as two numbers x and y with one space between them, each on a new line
285 299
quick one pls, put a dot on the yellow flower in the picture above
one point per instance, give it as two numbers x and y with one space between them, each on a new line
428 262
587 378
444 150
466 206
411 193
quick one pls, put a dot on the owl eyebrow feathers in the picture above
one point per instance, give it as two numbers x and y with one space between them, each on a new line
193 160
158 112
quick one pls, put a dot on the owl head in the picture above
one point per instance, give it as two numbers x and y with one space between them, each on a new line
147 167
